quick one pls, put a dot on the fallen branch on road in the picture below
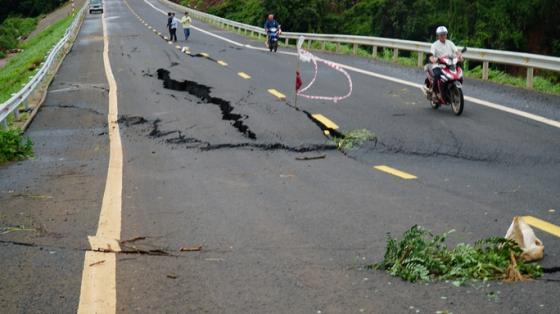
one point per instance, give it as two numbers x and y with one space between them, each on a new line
422 256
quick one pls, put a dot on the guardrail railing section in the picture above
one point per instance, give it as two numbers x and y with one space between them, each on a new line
11 106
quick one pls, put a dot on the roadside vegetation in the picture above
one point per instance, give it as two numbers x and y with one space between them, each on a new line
12 30
19 18
27 8
422 256
18 69
14 146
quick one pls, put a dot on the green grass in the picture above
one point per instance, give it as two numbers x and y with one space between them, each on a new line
422 256
540 84
14 146
17 71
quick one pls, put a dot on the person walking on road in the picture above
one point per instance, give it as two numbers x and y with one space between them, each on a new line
173 28
186 22
169 20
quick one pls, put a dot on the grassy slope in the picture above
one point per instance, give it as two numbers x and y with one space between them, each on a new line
17 71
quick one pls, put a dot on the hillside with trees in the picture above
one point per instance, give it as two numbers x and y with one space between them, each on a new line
27 8
520 25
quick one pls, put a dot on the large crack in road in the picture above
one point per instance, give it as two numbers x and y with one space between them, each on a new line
202 92
180 139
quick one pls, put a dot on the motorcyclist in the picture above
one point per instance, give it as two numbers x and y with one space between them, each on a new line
441 47
271 23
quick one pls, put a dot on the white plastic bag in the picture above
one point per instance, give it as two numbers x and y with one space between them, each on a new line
523 234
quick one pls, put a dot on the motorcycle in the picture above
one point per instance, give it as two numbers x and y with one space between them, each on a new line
450 91
273 37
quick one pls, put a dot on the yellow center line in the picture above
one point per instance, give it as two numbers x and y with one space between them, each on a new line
395 172
220 62
277 94
244 75
98 293
204 54
178 47
325 121
543 225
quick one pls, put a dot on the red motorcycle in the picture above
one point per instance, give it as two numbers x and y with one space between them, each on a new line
450 84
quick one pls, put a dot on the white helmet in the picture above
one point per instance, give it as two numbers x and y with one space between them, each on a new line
442 30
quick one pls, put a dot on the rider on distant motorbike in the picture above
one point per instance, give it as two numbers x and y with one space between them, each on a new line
442 47
271 23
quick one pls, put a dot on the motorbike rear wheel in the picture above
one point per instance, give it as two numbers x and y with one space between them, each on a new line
457 100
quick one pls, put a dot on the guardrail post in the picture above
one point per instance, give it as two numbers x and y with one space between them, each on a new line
5 124
485 65
355 49
374 52
16 114
323 45
287 43
309 44
530 73
337 47
395 54
420 58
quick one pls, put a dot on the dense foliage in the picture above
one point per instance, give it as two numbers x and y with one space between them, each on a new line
14 146
12 29
521 25
421 256
27 8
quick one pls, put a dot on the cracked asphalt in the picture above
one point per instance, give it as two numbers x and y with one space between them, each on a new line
210 160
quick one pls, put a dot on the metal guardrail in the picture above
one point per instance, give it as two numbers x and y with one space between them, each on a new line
21 97
486 56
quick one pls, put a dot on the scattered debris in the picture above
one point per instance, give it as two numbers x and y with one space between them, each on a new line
302 158
172 276
524 236
6 230
422 256
353 139
133 240
131 120
191 249
97 263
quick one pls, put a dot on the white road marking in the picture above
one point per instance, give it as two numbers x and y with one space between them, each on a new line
481 102
98 292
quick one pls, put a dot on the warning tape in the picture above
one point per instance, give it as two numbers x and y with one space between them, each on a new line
307 56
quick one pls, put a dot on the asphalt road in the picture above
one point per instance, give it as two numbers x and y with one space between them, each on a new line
213 164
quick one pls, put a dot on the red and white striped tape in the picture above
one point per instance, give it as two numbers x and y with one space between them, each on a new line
307 56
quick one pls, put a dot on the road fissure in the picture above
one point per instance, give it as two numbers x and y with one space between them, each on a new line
203 93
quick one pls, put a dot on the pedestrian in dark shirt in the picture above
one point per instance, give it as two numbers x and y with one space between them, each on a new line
169 20
173 28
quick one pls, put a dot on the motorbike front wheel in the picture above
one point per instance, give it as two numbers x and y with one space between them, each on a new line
457 100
